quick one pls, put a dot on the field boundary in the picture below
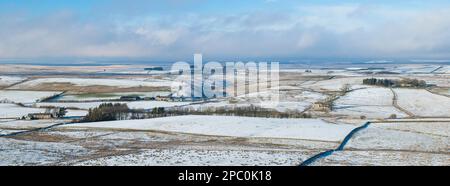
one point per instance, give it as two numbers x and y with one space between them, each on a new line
341 147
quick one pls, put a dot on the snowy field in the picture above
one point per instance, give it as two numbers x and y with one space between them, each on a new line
441 80
335 84
19 153
321 72
109 96
371 112
178 157
9 80
25 96
423 103
415 138
307 129
121 83
109 135
293 100
133 104
7 131
396 144
26 124
415 69
375 138
76 113
431 128
384 158
14 111
368 96
369 102
444 70
228 140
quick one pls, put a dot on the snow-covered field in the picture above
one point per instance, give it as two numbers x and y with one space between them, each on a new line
15 111
228 140
18 152
335 84
374 96
396 144
26 124
445 70
6 132
9 80
178 157
25 96
306 129
293 100
371 112
121 83
371 102
423 103
384 158
109 96
441 80
76 113
134 104
375 138
415 69
321 72
432 128
109 135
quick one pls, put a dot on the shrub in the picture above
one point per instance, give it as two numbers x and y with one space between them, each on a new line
393 116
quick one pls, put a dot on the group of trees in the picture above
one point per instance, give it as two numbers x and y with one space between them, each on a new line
379 82
413 82
247 111
407 82
108 112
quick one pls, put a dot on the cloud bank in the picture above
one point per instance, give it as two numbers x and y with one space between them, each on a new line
349 30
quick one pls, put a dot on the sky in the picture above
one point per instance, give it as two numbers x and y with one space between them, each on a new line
224 29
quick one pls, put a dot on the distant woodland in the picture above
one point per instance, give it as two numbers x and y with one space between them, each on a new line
407 82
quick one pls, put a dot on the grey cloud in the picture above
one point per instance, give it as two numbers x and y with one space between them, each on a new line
312 31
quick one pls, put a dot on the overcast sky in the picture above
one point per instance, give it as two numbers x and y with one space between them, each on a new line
223 29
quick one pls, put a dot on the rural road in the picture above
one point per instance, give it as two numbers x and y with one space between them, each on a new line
395 104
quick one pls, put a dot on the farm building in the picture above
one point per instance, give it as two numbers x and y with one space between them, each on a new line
321 107
38 116
50 113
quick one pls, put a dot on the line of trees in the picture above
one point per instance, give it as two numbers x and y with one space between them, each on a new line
108 112
407 82
116 112
111 112
379 82
247 111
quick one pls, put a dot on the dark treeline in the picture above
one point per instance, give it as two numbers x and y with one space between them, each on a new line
249 111
378 82
109 112
407 82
